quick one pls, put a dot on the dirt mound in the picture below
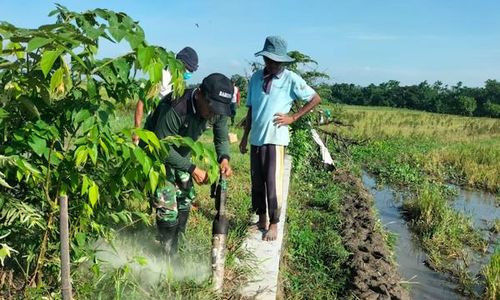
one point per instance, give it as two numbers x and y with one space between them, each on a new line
374 275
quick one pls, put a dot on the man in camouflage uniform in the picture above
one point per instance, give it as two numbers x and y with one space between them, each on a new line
188 116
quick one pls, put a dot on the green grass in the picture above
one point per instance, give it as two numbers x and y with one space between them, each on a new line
463 150
314 260
491 274
442 231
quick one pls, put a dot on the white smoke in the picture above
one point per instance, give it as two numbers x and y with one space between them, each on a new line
147 264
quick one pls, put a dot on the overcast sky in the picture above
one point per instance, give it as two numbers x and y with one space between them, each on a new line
354 41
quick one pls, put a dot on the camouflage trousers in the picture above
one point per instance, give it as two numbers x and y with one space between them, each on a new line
176 194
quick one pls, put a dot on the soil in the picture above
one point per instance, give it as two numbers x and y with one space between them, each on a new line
374 274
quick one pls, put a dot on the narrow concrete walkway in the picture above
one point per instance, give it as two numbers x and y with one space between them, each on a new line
264 284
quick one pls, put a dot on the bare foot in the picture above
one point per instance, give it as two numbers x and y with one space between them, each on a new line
271 234
262 224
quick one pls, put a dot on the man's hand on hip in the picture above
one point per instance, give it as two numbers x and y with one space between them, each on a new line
283 119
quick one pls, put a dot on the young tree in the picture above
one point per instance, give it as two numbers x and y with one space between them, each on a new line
56 102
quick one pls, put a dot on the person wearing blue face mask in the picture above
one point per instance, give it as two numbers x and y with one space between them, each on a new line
187 75
189 58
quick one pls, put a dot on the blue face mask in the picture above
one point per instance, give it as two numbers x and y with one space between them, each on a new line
187 75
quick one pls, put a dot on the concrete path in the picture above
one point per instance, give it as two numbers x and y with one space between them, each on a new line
264 284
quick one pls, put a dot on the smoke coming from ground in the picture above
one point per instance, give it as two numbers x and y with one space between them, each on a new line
147 263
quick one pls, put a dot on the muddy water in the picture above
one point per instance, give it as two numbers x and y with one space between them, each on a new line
482 207
423 283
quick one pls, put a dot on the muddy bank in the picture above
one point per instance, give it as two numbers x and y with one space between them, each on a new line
374 276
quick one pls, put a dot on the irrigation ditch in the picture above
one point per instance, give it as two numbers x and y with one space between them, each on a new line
391 255
413 262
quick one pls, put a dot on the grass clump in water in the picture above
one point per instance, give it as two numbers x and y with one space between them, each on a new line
491 274
442 231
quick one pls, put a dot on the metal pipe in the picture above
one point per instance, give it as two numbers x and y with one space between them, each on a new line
219 233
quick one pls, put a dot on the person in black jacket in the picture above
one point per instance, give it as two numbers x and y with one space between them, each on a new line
188 116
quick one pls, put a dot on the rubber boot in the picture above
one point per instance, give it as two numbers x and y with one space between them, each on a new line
182 218
181 227
168 236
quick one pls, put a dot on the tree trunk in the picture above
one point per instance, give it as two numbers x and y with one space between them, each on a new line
65 268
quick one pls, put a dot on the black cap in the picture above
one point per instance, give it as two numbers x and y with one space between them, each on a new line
218 90
189 57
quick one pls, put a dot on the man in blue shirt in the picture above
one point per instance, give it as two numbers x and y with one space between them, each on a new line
271 93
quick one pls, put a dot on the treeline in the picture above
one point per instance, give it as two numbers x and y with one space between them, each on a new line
437 97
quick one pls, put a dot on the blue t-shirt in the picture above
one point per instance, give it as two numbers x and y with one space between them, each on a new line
285 88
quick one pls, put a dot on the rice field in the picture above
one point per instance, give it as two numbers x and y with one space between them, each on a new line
464 150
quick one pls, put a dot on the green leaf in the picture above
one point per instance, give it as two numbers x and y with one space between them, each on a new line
3 113
124 217
68 82
88 124
56 82
123 68
93 153
48 59
93 194
135 38
30 106
116 32
81 155
103 13
108 74
82 115
85 185
115 218
17 48
55 157
103 146
155 72
26 167
37 42
80 238
3 182
91 31
143 216
94 134
198 150
91 88
153 179
125 151
38 144
103 92
5 252
140 155
147 165
213 175
144 56
153 139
